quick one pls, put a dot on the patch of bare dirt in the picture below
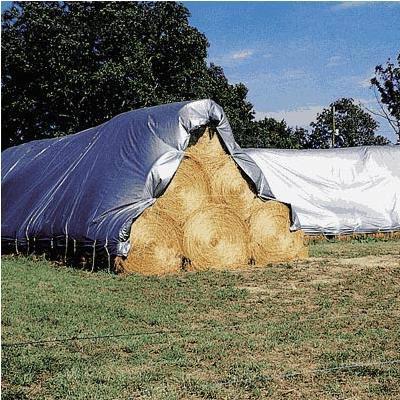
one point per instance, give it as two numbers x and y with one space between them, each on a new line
389 261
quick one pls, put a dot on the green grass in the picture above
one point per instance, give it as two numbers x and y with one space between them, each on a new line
356 248
255 333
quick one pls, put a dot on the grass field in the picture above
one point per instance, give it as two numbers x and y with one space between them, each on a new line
326 328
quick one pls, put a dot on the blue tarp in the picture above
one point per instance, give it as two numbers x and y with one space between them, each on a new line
89 187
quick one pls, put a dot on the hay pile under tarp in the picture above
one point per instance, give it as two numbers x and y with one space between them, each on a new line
216 237
188 191
156 245
210 217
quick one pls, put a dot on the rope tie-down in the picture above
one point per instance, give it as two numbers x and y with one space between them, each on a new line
93 254
66 248
108 256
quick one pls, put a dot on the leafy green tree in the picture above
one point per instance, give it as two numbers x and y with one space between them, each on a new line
387 82
269 132
356 127
68 66
233 99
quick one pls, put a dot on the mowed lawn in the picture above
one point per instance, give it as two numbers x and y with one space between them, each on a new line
326 328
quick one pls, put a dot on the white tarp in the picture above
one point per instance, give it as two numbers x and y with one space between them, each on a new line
336 190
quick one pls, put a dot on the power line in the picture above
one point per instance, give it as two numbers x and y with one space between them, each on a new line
178 331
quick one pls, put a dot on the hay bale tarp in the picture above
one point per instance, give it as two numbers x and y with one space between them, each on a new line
336 191
87 188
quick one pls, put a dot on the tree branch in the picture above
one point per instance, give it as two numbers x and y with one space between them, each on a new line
396 129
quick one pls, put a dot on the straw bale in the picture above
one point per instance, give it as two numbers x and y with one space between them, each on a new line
155 245
189 190
216 237
269 218
210 216
300 243
229 186
270 238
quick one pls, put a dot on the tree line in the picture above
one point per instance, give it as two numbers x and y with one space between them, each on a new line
68 66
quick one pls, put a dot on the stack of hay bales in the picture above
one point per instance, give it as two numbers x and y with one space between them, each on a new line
210 217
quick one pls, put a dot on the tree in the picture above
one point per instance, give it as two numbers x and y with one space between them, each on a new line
387 82
356 127
233 99
68 66
269 132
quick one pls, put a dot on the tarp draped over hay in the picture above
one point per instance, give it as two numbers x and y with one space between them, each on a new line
336 191
89 187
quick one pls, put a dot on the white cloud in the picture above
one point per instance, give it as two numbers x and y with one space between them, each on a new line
345 5
242 54
335 61
360 81
301 116
293 74
231 59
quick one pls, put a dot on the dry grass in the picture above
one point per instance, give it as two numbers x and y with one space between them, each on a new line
229 187
270 238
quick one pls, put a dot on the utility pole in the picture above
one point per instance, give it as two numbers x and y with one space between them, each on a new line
333 126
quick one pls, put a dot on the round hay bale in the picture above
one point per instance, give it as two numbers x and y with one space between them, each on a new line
155 246
269 218
285 247
299 242
270 238
229 186
188 191
215 237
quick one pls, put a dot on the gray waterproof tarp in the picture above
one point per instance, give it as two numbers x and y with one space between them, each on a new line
90 186
336 191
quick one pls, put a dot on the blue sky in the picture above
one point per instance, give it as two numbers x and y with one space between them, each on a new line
297 57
